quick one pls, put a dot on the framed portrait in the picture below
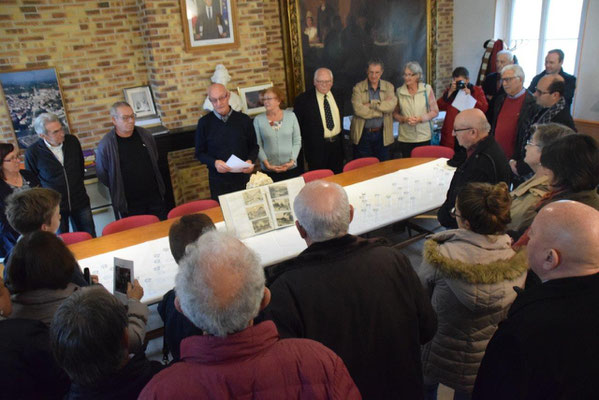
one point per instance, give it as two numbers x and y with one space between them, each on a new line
141 100
29 93
250 99
343 35
209 24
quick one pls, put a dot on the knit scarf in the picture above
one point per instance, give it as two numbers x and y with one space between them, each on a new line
543 116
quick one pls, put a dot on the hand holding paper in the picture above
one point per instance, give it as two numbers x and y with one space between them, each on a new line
463 101
238 165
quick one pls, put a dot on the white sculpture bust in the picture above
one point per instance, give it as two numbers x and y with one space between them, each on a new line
221 75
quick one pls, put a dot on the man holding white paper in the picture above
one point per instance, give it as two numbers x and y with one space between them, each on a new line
220 135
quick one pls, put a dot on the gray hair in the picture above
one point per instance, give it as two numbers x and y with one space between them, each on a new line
518 71
550 132
113 109
209 267
322 209
39 124
322 69
415 67
87 333
508 53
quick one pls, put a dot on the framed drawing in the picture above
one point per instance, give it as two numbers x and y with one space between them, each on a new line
141 100
29 93
209 24
344 34
251 103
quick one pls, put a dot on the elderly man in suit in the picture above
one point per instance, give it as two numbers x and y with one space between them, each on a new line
319 111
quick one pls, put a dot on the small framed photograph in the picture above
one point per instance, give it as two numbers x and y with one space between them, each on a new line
123 274
29 93
209 24
250 99
141 100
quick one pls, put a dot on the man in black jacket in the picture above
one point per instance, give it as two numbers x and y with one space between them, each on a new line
321 123
547 347
57 160
553 66
359 297
485 160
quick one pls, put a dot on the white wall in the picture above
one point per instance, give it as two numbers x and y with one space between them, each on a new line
586 101
473 24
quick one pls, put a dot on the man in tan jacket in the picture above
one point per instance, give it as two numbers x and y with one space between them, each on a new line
373 100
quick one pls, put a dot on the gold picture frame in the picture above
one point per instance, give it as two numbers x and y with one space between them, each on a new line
294 41
207 30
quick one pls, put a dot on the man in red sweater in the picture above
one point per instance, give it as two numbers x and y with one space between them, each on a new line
512 113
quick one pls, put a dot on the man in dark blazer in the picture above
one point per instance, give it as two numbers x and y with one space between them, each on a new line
319 112
553 66
547 347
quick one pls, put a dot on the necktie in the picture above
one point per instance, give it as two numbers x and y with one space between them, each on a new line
328 115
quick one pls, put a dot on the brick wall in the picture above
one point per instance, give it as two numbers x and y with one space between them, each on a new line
189 177
101 47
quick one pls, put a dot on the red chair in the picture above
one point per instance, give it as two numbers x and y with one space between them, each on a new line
316 174
191 207
359 163
74 237
432 151
129 223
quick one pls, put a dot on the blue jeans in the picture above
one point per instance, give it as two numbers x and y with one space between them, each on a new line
430 393
82 221
372 145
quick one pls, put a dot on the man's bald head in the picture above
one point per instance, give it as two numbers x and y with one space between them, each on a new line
220 284
549 90
323 211
219 97
564 241
470 127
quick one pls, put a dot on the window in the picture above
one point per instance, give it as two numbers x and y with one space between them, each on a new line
537 26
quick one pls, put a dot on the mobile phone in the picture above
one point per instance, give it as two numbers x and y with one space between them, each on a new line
123 274
87 276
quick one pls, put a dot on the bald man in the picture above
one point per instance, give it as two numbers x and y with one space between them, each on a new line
547 348
220 134
356 296
220 288
485 162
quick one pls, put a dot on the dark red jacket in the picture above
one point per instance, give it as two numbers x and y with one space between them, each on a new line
444 104
253 364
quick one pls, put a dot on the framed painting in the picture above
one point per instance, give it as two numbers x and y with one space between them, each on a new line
209 24
343 35
251 103
141 100
29 93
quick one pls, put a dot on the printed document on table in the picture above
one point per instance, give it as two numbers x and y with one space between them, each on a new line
236 164
463 101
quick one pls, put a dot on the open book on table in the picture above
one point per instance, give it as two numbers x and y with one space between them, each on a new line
258 210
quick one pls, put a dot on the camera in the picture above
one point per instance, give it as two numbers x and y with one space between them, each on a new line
460 85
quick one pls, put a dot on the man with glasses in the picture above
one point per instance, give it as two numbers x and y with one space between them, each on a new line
512 111
57 161
127 162
485 160
219 135
553 66
319 111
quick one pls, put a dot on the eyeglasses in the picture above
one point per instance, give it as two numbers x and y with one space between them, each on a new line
409 75
15 158
508 79
454 214
127 117
541 92
325 82
218 99
269 98
460 130
530 143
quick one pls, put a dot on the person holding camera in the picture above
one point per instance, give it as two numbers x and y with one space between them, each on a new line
460 80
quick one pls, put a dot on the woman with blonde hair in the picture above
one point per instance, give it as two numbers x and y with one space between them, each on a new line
470 273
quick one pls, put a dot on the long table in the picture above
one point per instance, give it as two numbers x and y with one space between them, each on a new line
381 194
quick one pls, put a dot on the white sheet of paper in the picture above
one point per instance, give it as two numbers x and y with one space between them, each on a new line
236 164
463 101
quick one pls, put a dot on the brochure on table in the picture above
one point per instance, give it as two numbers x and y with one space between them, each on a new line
263 209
